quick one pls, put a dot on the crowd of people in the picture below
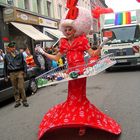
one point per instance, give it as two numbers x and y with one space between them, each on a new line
17 60
37 59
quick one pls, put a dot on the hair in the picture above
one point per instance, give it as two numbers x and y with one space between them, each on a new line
12 44
82 24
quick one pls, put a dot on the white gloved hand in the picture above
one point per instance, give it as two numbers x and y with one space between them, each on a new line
40 50
105 40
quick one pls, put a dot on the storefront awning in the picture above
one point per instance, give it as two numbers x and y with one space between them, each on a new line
54 32
31 32
58 34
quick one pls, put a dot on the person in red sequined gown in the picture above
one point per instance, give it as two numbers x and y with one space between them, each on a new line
76 111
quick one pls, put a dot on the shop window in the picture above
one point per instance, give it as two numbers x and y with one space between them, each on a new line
39 6
59 11
26 2
48 4
10 2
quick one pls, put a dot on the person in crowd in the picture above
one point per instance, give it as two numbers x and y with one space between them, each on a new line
55 50
49 61
29 58
50 50
60 64
1 61
76 111
1 55
40 60
54 64
15 67
23 51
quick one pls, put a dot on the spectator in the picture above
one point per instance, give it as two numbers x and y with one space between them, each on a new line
23 51
54 64
29 59
15 67
61 64
55 49
1 55
40 60
49 61
1 61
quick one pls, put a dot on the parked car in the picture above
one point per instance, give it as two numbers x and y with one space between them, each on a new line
6 90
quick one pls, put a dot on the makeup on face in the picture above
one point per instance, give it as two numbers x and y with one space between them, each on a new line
69 32
68 29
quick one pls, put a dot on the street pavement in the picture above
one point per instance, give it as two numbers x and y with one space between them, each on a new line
116 93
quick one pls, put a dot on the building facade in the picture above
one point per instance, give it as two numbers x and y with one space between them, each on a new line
22 20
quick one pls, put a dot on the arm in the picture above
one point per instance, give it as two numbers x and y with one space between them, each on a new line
93 53
53 57
50 56
98 51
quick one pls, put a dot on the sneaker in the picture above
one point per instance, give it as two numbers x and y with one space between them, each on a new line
25 104
17 105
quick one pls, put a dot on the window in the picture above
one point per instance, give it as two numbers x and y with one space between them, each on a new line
48 3
39 6
26 2
60 11
10 2
125 34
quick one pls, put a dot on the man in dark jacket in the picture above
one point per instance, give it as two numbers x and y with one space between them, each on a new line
15 67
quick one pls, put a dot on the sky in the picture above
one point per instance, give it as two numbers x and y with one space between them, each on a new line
122 5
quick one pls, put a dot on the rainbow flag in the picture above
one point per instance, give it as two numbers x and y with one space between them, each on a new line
122 18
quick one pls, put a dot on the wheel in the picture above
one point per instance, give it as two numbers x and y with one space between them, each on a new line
32 86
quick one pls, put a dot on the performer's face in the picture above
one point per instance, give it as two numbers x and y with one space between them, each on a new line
69 32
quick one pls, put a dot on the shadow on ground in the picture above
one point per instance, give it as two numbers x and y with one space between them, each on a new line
123 69
11 100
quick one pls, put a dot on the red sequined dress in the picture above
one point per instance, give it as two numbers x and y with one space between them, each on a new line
76 111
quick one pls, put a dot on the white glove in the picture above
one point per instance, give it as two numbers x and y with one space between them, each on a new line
105 40
40 50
